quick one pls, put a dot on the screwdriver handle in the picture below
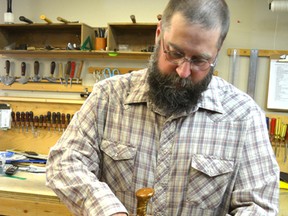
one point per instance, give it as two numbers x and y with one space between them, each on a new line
73 66
7 67
23 68
272 126
36 67
52 67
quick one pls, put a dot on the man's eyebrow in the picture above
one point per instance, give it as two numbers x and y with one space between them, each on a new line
180 50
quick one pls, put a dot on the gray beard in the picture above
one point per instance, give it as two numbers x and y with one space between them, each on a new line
171 93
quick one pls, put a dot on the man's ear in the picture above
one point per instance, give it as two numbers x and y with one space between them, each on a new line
158 32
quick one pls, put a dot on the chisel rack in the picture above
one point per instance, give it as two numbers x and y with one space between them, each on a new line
39 137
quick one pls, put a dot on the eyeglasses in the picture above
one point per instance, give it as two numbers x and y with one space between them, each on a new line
178 58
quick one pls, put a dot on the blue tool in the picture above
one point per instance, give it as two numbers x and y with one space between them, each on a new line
107 72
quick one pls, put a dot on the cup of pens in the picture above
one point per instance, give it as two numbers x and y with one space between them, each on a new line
100 39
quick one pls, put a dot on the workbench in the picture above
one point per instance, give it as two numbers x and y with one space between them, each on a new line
29 196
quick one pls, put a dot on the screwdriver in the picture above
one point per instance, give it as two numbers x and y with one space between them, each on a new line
31 117
63 122
27 114
18 119
41 119
68 119
59 121
22 120
13 119
36 124
49 120
54 116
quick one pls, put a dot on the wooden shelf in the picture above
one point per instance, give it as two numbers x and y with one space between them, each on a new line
46 87
41 100
73 54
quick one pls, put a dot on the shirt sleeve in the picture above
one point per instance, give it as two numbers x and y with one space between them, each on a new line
256 189
73 166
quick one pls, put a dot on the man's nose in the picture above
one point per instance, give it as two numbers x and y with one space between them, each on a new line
184 70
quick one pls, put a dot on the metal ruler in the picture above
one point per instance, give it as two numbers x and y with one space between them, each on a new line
252 73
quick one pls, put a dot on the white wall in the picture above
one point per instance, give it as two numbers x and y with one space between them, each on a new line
253 26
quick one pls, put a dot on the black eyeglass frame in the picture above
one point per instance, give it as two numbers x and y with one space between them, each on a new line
202 65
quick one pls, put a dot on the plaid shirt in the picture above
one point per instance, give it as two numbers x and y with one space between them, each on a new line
215 159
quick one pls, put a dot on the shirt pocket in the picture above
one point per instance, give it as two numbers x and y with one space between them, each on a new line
118 164
208 180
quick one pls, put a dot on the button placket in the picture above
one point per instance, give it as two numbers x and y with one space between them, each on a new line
163 167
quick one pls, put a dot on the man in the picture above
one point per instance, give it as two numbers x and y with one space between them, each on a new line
200 143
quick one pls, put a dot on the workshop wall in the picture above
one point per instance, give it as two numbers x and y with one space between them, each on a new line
253 26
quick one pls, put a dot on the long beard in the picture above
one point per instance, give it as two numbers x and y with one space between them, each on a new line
171 93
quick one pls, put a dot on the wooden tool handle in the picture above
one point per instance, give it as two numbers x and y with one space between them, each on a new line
78 75
23 68
43 17
133 18
143 196
7 67
52 67
36 67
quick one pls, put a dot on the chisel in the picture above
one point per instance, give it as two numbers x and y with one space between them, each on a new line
73 66
79 71
67 72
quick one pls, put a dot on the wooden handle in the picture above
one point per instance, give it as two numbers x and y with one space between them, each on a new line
43 17
36 67
23 68
143 196
7 67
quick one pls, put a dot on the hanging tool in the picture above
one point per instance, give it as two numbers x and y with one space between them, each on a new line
143 196
36 77
63 122
107 72
252 73
66 21
282 137
133 19
18 120
60 72
73 66
54 120
22 115
23 79
9 16
13 117
286 143
68 118
26 20
43 17
58 121
7 80
36 124
277 136
49 120
31 118
79 71
67 72
52 70
234 69
27 123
